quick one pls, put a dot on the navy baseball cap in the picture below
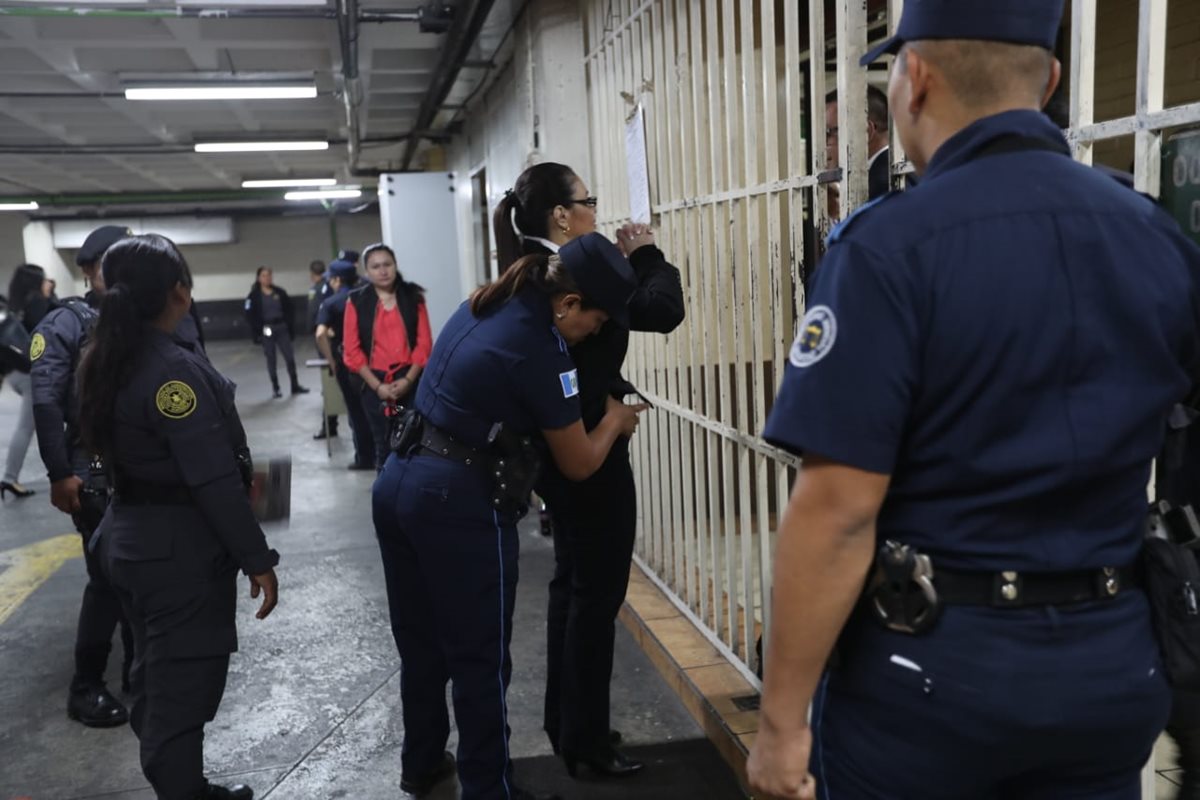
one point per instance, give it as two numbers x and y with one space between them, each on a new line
602 274
348 255
1014 21
98 241
340 268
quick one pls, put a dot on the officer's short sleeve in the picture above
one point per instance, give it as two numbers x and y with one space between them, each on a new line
325 312
548 386
849 380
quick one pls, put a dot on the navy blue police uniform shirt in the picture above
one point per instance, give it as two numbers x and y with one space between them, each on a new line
55 349
1006 341
175 424
509 366
332 312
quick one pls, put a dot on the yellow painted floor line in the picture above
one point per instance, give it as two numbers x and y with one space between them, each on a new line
26 568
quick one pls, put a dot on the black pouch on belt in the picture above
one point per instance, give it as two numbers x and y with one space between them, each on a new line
1172 579
516 466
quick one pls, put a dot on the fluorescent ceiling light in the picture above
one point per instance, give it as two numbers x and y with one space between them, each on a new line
282 182
30 206
326 194
258 147
227 92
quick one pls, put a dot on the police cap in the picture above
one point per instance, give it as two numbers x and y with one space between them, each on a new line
1014 21
348 255
98 241
341 269
602 274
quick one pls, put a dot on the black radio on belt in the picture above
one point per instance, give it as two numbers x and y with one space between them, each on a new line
901 592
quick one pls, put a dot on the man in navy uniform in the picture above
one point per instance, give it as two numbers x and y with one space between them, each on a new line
54 352
978 388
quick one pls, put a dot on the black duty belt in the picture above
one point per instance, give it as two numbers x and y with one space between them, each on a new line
441 444
1011 589
141 493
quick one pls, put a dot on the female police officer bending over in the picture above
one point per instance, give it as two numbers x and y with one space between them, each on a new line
449 542
180 522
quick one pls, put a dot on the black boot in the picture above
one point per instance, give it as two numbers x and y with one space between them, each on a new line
298 389
275 389
238 792
94 706
610 763
421 785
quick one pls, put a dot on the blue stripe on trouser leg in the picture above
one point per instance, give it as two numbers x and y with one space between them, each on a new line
467 560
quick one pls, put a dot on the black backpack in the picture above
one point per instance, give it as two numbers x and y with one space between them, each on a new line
14 342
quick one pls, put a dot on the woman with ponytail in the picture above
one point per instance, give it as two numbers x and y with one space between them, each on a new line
594 521
447 504
163 422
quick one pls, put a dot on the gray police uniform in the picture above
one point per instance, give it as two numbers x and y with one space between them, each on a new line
179 527
1005 341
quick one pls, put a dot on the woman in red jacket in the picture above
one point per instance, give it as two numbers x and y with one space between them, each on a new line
387 341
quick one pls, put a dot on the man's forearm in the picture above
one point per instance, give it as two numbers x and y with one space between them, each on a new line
821 562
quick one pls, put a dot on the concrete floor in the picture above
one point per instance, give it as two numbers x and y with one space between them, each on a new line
312 707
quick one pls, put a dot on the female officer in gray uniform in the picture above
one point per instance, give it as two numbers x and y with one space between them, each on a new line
180 523
499 368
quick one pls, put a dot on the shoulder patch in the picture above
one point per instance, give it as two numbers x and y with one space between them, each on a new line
570 383
840 229
37 346
175 399
818 332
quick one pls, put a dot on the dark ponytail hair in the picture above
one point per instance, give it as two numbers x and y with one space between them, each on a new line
543 272
399 283
534 196
26 284
145 269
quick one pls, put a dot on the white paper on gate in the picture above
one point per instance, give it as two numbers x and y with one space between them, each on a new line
636 167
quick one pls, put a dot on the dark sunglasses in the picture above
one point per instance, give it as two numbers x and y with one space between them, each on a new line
590 202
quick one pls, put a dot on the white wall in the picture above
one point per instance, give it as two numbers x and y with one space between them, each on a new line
285 244
536 111
12 245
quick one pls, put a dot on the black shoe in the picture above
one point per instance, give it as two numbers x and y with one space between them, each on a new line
17 489
95 707
319 435
298 389
238 792
358 465
276 393
423 785
612 764
614 739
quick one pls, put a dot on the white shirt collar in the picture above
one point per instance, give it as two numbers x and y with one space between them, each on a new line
546 243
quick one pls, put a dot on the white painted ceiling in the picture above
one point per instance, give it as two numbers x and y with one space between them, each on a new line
62 81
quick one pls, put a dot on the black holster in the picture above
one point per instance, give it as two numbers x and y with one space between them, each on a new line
406 430
516 467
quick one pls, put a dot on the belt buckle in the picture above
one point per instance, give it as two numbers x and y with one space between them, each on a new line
1107 583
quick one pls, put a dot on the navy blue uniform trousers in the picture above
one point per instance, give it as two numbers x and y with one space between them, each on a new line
99 615
1042 704
360 426
450 563
177 586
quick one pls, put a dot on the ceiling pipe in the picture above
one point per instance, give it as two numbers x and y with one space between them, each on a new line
462 35
351 87
9 10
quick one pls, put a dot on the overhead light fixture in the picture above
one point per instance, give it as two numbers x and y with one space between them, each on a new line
325 194
30 206
284 182
258 147
226 92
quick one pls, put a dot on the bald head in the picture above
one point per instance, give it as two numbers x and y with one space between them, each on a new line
940 86
987 75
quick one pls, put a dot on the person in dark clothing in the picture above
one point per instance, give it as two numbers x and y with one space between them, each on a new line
269 315
343 278
180 525
594 521
387 341
29 301
318 292
78 486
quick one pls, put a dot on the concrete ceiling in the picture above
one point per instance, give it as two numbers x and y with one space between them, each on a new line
66 128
